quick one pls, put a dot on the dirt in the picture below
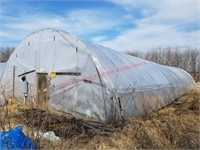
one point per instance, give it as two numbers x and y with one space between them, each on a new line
175 126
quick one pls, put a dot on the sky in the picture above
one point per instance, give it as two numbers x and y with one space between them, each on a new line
123 25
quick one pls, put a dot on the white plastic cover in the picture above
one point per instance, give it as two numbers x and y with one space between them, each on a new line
111 83
2 68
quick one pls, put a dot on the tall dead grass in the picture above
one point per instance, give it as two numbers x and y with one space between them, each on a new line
175 126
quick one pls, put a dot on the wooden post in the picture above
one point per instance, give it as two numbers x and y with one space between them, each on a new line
13 94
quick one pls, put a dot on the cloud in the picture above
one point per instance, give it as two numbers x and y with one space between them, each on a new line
35 23
81 22
145 8
152 37
85 21
3 33
121 24
175 12
173 23
98 38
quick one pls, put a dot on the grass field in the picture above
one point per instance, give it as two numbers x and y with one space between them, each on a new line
175 126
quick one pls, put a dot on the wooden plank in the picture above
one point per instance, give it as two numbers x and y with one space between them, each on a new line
13 94
42 92
68 73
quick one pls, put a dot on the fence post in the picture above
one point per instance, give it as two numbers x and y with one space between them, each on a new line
13 94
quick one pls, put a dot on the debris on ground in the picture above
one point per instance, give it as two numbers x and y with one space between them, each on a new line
15 139
176 126
50 135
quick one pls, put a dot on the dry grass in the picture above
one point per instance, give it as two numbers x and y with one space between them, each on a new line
175 126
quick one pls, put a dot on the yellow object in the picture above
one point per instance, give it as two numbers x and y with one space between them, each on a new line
53 75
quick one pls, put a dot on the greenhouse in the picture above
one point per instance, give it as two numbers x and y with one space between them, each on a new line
69 75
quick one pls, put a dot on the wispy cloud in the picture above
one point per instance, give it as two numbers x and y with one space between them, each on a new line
172 23
81 22
146 38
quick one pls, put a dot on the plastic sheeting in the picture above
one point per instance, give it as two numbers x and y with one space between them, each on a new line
2 68
111 83
15 139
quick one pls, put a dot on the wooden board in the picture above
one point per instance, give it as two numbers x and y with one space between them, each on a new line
42 90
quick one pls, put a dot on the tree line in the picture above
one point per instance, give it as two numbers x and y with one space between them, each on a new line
185 58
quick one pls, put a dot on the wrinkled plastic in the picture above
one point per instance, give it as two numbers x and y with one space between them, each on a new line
15 139
2 68
50 135
110 81
2 100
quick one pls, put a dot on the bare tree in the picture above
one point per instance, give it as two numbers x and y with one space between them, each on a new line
136 53
185 58
5 53
194 55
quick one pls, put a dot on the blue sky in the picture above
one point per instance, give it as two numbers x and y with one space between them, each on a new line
118 24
